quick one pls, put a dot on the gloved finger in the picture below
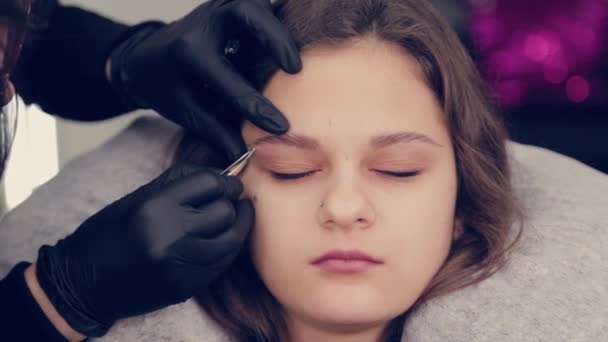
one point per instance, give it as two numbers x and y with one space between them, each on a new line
223 78
259 20
195 251
204 251
238 232
202 187
179 170
211 219
205 124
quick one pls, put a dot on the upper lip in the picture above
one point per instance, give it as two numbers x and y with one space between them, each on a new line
346 255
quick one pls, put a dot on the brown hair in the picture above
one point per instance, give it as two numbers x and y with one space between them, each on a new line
485 208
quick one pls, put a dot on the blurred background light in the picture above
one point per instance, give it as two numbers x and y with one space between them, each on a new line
555 47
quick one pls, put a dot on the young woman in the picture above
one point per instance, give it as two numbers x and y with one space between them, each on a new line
391 187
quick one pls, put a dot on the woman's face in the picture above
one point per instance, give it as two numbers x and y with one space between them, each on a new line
367 166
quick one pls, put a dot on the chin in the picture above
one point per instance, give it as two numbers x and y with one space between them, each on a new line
353 308
351 319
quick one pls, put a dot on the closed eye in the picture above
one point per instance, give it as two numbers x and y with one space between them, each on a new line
398 174
291 176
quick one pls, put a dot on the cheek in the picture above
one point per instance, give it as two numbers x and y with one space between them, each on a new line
425 210
421 223
282 228
424 233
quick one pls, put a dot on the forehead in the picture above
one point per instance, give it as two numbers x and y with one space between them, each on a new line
363 87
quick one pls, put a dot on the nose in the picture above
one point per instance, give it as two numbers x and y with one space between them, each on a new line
346 206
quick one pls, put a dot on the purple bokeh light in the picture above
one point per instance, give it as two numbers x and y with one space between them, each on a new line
577 89
535 51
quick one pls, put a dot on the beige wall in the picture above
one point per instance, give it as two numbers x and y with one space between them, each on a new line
76 138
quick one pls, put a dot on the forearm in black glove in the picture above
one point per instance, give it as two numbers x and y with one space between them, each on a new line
156 247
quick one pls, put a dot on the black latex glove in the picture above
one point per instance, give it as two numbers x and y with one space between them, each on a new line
181 70
157 246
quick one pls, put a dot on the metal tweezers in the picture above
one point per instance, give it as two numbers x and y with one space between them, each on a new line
238 166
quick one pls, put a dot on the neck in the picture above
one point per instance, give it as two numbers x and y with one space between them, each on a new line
306 331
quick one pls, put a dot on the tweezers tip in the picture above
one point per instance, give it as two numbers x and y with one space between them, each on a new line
239 165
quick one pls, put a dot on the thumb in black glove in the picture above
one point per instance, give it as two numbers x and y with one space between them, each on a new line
181 70
155 247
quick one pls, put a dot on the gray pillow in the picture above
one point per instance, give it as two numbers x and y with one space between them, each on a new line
553 289
555 285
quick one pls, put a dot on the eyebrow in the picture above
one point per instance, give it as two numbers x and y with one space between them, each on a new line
377 142
385 140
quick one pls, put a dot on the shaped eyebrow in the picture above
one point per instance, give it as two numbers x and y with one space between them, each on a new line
377 142
289 139
385 140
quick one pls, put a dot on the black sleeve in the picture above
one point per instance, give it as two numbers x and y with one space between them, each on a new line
62 66
21 319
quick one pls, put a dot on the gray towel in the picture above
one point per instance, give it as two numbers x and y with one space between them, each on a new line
555 287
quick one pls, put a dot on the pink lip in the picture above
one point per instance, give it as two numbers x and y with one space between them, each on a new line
346 261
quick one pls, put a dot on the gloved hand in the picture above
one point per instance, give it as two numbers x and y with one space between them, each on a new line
157 246
181 70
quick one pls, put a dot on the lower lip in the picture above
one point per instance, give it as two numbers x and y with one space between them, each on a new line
346 266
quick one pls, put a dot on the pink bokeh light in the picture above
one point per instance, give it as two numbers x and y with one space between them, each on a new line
539 46
577 89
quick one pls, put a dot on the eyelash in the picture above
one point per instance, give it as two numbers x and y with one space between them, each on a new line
291 176
399 174
294 176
